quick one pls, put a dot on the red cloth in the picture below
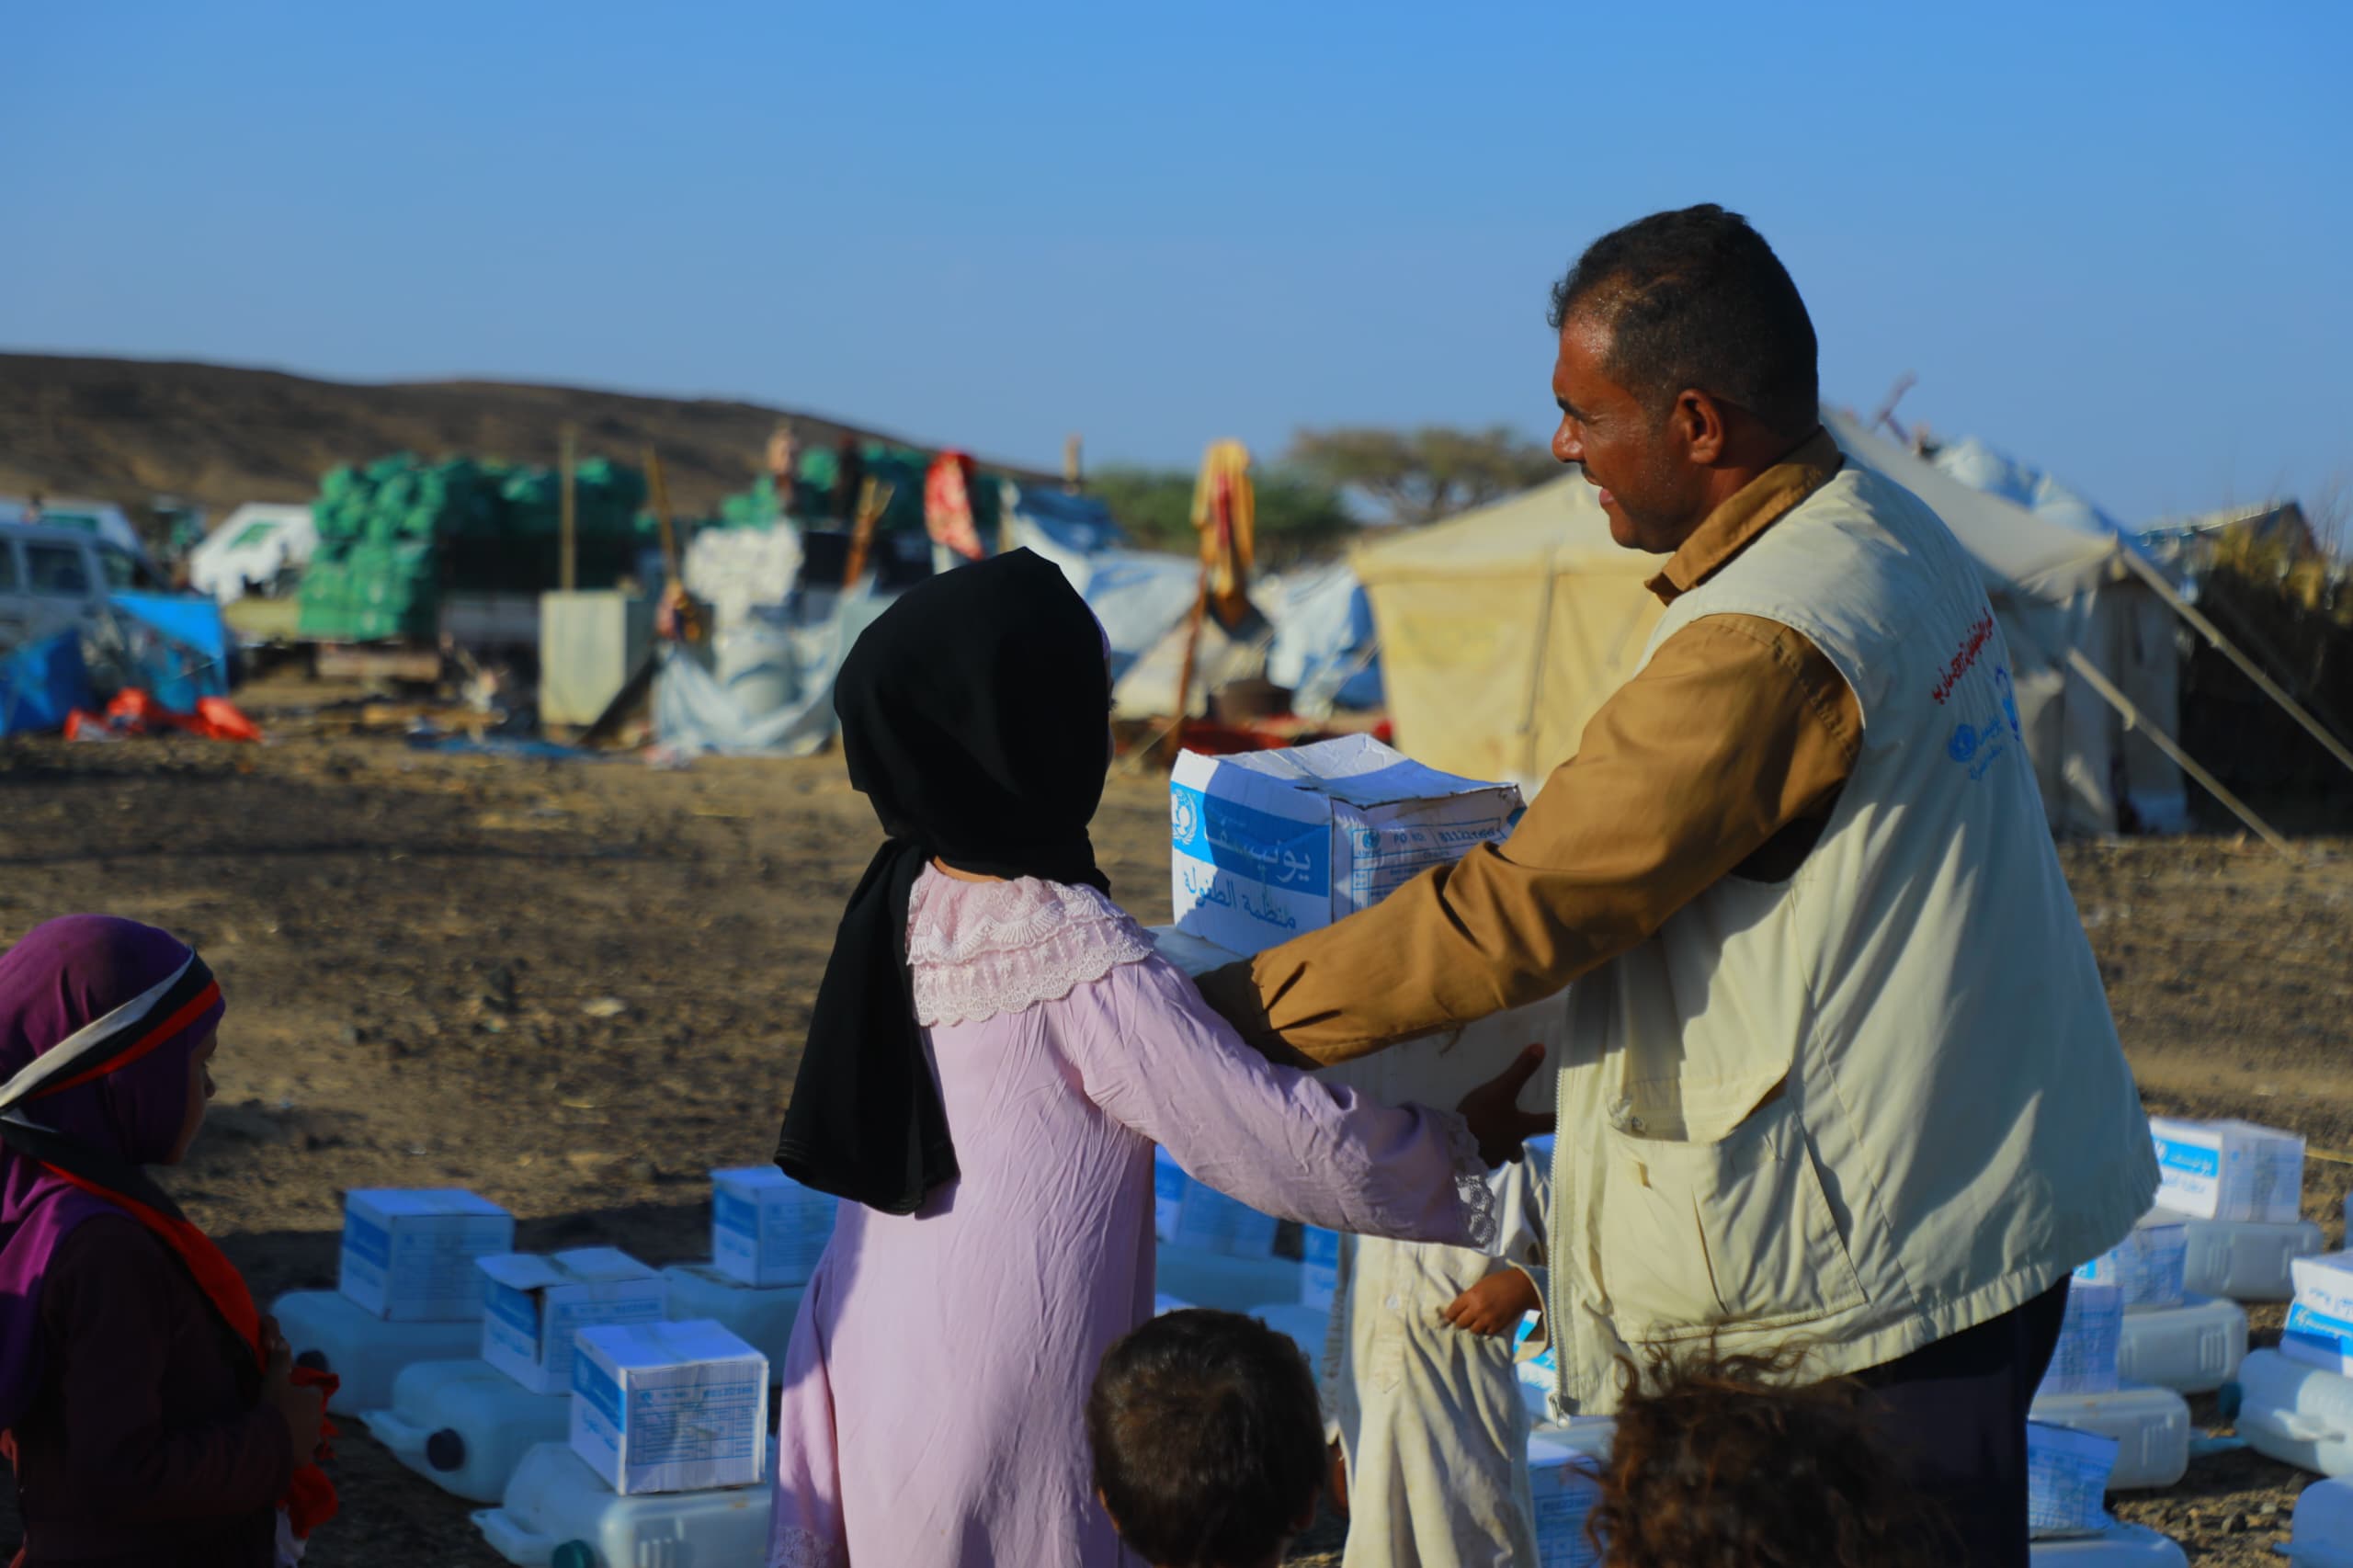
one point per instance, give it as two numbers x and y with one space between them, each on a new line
309 1499
948 505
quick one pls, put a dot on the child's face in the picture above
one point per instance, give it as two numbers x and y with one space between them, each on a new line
200 1089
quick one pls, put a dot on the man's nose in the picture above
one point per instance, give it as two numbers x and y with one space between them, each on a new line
1567 446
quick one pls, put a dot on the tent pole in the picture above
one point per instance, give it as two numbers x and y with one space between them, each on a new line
1185 671
2229 651
2134 718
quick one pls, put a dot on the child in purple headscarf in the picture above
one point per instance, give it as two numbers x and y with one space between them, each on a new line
151 1414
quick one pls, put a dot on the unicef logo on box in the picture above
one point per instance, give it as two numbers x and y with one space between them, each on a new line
1184 816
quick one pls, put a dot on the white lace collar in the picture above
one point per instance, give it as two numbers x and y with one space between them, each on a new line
977 949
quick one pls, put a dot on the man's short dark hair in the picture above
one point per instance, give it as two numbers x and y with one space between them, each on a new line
1697 299
1207 1439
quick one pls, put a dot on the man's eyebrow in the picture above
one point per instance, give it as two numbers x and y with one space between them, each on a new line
1570 409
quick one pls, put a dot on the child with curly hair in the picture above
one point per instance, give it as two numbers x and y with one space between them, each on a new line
1724 1464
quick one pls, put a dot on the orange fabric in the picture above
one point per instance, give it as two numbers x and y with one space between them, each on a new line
309 1499
1225 514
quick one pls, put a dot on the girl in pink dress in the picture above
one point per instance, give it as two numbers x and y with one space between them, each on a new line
995 1052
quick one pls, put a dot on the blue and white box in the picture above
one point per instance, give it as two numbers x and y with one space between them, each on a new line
2066 1477
2147 1265
2083 1361
534 1304
669 1407
408 1254
1319 1269
2319 1331
1564 1481
765 1228
1207 1221
1168 1182
1266 844
2228 1170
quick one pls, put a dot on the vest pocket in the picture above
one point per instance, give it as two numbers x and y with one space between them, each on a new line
1737 1232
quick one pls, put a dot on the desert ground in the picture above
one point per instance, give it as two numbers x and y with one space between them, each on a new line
578 986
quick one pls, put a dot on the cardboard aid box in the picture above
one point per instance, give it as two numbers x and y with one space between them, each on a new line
2147 1265
2228 1170
2319 1331
408 1254
669 1407
2083 1361
2066 1477
765 1228
1266 844
533 1305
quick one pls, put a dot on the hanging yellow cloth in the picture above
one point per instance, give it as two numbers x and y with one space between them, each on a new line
1225 514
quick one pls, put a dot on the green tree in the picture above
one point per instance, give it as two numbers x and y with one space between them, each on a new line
1299 517
1419 476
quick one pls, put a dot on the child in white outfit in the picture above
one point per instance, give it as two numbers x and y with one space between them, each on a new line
1421 1395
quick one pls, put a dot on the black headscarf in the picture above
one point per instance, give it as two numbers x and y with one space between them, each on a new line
974 716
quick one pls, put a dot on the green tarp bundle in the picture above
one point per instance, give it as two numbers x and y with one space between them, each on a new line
398 534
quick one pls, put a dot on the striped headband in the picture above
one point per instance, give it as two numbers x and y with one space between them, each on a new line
120 1038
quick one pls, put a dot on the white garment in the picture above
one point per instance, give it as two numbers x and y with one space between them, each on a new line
1883 1101
1429 1417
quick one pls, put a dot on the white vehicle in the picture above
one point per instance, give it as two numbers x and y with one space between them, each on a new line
250 547
55 579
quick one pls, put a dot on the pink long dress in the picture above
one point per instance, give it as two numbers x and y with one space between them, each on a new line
934 1392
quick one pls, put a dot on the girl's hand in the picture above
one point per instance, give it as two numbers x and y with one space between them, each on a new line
1495 1304
302 1409
1493 1109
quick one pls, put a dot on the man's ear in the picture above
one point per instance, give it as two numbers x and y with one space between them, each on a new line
1699 422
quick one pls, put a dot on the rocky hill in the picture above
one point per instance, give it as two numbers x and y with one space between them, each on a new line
128 430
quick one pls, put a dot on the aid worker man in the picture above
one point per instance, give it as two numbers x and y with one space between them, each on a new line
1841 1073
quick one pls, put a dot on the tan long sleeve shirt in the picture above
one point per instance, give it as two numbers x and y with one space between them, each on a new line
1723 757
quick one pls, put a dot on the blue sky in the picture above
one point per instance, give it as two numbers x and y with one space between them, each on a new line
2116 240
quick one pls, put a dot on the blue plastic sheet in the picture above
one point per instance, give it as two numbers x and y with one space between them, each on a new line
179 647
42 682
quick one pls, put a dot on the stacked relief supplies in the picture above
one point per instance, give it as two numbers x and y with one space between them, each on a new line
465 1424
408 1291
767 1233
395 536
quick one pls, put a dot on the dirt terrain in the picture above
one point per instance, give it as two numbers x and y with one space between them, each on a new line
424 954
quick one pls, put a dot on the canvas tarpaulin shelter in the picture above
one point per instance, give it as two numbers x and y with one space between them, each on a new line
1505 629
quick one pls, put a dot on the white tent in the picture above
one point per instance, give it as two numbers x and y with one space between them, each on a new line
1505 629
252 545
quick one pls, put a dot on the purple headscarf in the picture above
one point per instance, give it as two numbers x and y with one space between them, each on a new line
61 977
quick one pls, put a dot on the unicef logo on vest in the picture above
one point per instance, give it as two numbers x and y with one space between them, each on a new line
1963 744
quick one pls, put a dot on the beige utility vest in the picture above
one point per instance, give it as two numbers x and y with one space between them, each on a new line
1883 1101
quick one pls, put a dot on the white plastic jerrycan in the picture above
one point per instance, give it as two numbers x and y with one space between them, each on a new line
2324 1527
2119 1546
464 1425
560 1514
2195 1347
2246 1260
2150 1427
328 1330
2295 1413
